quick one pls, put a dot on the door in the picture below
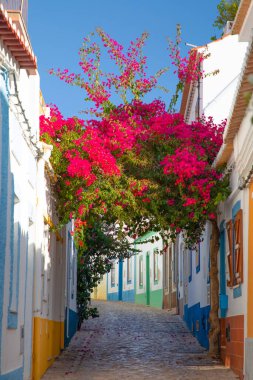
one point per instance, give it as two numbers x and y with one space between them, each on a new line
185 279
120 288
148 278
170 276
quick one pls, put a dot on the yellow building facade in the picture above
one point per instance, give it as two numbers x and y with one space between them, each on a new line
100 292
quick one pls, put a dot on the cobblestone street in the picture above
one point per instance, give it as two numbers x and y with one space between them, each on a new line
135 342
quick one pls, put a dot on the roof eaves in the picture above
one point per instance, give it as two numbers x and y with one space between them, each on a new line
240 16
238 108
16 43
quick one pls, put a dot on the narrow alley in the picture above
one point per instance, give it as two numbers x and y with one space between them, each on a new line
135 342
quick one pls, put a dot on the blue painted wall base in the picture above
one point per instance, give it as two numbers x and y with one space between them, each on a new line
14 375
72 326
196 319
128 296
113 296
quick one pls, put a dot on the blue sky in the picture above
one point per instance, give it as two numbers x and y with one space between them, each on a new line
57 28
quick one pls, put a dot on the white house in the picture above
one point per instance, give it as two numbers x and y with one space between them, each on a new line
37 265
19 115
236 214
212 96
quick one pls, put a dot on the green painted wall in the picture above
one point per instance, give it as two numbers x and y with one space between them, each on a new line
141 299
156 298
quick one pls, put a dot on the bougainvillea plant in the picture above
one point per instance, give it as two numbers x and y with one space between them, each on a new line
134 165
139 166
129 79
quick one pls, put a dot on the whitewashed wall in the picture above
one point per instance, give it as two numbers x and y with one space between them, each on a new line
16 342
149 248
113 289
128 286
217 91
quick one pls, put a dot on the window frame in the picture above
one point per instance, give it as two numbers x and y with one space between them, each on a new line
197 258
234 229
129 270
141 276
189 265
156 268
113 275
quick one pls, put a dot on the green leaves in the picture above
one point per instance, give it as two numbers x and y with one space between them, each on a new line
227 10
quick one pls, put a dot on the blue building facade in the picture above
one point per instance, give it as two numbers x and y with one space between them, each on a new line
121 281
71 314
194 286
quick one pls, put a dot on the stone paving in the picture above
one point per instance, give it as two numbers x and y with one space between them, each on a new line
135 342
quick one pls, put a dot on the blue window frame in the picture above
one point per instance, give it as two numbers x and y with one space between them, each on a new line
222 259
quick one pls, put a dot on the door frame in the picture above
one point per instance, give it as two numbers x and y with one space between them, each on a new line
148 278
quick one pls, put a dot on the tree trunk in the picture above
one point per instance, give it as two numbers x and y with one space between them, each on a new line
214 292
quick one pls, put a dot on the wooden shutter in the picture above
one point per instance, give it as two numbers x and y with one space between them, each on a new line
230 253
238 248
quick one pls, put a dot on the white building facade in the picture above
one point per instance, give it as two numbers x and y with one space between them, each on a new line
19 113
37 265
212 96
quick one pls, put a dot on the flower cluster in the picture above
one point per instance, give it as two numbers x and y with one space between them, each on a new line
189 68
130 78
137 164
137 160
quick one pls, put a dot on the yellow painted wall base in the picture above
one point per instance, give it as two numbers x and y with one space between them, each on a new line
250 265
48 341
99 293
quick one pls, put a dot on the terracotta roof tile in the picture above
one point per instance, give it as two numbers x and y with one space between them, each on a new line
240 16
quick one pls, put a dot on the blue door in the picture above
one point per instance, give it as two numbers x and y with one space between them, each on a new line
120 279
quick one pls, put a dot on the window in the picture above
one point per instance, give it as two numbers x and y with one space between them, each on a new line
198 258
166 269
209 264
71 258
181 264
173 264
197 111
156 265
113 274
129 270
45 259
141 271
14 265
235 249
190 265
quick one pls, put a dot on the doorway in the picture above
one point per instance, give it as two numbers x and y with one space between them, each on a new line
148 278
120 288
